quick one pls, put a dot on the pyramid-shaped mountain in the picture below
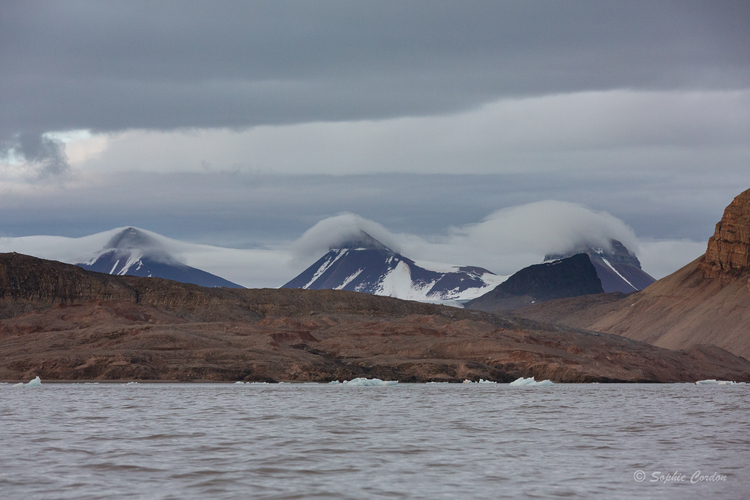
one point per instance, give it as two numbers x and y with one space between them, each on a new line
132 252
363 264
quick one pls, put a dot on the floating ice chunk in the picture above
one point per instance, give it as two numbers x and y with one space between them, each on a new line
37 382
239 382
369 382
481 381
531 381
130 384
334 382
718 382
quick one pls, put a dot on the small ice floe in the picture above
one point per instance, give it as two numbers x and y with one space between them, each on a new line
718 382
481 381
531 381
37 382
130 384
367 382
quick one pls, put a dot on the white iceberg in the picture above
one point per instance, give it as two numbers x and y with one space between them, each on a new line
37 382
481 381
531 381
718 382
362 382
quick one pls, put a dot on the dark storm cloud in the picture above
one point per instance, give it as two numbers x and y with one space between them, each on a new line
118 65
45 154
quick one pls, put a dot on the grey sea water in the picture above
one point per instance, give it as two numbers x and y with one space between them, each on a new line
406 441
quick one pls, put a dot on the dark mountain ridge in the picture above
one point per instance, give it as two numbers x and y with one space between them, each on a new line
567 277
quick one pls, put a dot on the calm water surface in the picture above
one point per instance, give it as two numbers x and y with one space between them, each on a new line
405 441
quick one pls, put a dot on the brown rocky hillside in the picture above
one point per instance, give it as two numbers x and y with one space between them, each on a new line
61 322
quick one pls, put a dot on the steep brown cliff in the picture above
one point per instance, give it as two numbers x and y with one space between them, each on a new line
728 253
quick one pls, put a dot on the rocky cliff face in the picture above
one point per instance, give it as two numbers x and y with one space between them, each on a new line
728 253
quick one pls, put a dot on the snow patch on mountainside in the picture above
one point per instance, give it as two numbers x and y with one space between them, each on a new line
618 274
326 265
350 279
398 283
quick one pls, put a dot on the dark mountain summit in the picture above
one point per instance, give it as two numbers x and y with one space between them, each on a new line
132 252
617 268
568 277
588 271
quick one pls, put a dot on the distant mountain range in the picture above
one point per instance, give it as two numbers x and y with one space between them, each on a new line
364 264
132 252
361 263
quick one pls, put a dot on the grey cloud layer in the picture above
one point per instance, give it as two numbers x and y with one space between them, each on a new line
240 210
119 65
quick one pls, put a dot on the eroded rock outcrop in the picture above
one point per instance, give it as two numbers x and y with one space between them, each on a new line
728 253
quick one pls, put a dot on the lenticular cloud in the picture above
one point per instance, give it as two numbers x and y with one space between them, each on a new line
547 227
333 231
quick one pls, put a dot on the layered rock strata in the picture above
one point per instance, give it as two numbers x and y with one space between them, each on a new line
728 253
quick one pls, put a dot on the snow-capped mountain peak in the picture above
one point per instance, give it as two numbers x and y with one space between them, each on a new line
134 252
364 264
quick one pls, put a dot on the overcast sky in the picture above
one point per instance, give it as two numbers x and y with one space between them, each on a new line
244 124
